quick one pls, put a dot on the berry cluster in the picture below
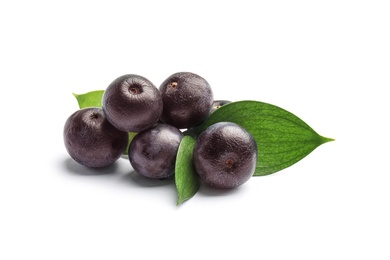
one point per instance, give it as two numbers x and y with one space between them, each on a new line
225 154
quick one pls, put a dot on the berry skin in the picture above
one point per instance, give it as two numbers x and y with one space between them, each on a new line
218 103
225 155
187 99
132 103
91 140
152 153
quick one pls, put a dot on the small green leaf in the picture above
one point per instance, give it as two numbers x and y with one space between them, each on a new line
282 138
186 180
90 99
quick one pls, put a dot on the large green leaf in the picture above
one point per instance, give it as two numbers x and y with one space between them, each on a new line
282 138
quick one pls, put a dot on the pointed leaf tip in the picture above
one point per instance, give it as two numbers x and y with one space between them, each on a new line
89 99
326 139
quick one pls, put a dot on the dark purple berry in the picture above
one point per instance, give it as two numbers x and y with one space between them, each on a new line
91 140
152 153
132 103
225 155
187 99
218 103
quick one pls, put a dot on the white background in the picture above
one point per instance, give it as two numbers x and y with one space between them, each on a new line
326 61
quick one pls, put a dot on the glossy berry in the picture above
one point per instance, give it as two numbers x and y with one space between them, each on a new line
132 103
187 99
91 140
218 103
152 153
225 155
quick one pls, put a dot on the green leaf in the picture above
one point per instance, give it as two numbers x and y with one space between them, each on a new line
282 138
90 99
186 180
